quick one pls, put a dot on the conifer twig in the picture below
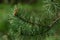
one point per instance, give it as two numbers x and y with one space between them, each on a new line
51 25
27 21
54 22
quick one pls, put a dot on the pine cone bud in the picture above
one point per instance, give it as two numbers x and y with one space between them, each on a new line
15 10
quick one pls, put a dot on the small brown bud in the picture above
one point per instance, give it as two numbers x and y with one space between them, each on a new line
15 10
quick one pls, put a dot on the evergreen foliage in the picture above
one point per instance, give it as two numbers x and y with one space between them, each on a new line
32 22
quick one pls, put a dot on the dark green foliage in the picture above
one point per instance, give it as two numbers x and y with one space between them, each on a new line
32 22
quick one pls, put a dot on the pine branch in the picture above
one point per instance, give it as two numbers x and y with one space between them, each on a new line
54 22
51 25
27 21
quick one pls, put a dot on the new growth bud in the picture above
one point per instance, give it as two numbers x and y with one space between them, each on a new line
15 10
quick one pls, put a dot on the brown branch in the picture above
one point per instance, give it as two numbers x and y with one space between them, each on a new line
54 22
51 25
